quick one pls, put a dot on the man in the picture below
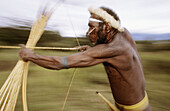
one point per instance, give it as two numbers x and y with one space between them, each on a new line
115 48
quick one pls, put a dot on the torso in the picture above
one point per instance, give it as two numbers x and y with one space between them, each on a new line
125 73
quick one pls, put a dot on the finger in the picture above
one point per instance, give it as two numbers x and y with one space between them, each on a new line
22 45
77 47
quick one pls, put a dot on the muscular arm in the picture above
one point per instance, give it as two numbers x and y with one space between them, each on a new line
95 55
92 56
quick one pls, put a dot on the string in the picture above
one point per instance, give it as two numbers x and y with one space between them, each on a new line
74 72
72 27
69 88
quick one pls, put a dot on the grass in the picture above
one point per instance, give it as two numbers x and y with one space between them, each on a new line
47 88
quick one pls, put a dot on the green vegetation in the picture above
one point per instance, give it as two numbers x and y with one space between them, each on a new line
47 88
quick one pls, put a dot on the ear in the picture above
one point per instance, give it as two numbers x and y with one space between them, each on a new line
107 28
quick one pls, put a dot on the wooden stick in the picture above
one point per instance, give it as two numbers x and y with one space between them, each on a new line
111 106
8 85
12 86
43 48
24 89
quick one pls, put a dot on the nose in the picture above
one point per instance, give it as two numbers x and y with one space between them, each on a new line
90 31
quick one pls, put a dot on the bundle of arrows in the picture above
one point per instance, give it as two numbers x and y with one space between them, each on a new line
10 89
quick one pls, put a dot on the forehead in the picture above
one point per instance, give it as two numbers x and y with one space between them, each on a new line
94 23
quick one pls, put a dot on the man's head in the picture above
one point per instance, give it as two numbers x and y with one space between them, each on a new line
102 21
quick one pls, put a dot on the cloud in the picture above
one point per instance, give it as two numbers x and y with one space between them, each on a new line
138 16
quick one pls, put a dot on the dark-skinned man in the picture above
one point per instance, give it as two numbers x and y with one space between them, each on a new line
116 50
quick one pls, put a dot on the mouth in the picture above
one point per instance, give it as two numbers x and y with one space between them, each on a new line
92 41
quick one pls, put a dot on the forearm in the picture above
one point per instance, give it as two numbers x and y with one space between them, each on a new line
49 62
90 57
57 63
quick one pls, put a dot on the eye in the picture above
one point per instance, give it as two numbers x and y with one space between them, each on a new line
90 25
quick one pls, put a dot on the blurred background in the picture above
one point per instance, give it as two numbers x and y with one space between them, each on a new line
147 20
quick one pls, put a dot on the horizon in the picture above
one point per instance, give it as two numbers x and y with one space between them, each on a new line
72 16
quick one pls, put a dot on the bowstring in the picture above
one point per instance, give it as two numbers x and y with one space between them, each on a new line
72 27
74 72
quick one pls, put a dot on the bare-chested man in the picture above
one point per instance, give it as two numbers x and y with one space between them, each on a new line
115 48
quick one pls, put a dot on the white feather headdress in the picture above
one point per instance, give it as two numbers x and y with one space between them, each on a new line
107 18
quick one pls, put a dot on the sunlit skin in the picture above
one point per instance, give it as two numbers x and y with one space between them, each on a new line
119 57
93 29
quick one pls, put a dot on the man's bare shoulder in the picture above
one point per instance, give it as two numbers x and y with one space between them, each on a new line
102 51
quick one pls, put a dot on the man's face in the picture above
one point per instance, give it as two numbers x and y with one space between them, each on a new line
92 32
93 29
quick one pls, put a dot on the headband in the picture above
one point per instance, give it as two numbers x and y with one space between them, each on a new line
107 18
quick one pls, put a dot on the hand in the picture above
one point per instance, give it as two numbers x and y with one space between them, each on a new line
25 53
83 48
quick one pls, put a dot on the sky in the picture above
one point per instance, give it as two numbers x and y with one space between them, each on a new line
71 17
